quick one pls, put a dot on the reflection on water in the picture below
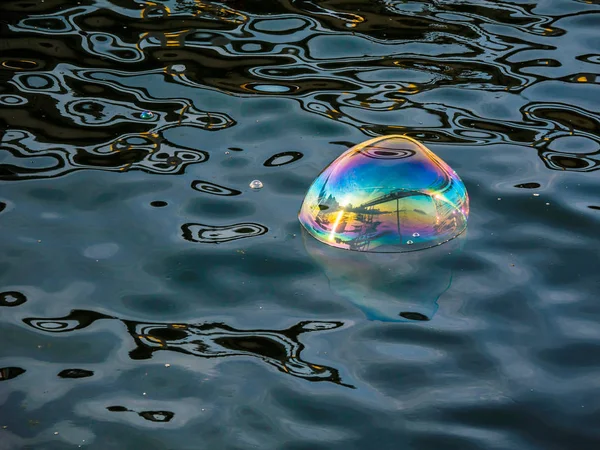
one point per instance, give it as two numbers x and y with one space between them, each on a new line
338 63
389 287
282 159
12 298
214 189
280 349
75 373
213 234
152 416
7 373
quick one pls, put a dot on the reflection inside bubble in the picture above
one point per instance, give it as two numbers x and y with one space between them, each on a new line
389 194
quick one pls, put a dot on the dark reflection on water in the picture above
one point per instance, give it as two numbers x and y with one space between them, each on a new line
280 349
281 159
157 416
12 298
213 234
75 373
104 207
152 416
214 189
6 373
356 68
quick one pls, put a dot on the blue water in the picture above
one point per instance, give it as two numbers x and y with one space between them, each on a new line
152 300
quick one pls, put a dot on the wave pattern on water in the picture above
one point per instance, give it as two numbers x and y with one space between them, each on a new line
130 131
280 349
362 69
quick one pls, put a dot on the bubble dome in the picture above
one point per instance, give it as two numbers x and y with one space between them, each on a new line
389 194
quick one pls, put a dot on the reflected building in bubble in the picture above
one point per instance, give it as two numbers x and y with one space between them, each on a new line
389 194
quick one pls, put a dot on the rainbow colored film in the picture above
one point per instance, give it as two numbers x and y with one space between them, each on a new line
388 194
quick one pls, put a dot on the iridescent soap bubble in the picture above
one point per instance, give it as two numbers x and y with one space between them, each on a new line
256 184
389 194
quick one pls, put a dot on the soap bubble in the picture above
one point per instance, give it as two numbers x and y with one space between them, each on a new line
256 184
389 194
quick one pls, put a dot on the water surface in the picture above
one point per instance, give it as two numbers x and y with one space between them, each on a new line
151 299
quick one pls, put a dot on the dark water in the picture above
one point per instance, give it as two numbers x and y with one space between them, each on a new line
124 325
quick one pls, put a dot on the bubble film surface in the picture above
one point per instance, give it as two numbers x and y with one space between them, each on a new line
388 194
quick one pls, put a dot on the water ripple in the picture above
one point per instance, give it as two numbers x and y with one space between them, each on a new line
130 132
281 349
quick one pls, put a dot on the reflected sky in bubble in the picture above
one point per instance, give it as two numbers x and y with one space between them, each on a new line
388 194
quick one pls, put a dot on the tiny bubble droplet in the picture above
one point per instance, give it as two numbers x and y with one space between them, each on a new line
409 242
146 115
256 184
416 235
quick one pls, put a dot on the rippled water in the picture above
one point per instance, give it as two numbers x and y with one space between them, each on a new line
125 325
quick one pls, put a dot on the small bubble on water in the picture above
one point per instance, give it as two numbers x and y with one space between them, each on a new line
416 235
146 115
409 242
167 365
256 184
536 195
